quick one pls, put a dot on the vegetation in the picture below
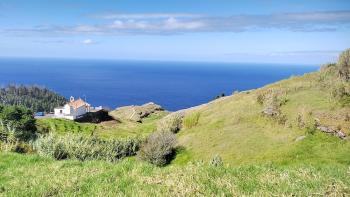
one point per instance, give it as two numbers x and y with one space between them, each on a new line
158 148
236 129
16 124
191 120
216 161
33 175
36 98
85 148
171 123
219 96
344 65
63 126
105 130
227 147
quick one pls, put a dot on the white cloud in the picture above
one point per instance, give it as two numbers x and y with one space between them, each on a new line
88 41
174 24
170 23
147 16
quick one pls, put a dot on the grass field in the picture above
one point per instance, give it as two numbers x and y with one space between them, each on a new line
32 175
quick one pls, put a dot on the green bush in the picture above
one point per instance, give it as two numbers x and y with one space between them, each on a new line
17 122
171 123
85 148
191 120
159 148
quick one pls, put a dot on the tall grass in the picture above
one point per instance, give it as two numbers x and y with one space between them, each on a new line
85 148
191 120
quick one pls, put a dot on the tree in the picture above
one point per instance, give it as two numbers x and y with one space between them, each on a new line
17 121
38 99
344 65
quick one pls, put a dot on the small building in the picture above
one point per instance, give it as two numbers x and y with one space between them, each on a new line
72 110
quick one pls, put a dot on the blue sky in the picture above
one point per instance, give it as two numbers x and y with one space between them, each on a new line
293 32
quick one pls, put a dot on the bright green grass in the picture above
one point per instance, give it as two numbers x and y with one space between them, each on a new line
104 130
62 126
132 129
31 175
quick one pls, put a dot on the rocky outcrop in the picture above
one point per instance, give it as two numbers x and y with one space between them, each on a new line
339 133
135 113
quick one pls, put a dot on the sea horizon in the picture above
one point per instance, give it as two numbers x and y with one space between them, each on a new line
116 83
159 60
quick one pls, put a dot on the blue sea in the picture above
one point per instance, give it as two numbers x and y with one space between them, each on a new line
173 85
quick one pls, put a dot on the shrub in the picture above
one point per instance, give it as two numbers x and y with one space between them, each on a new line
219 96
271 105
16 121
260 98
216 161
159 148
171 123
282 119
85 148
340 91
300 121
17 146
191 120
344 65
276 95
311 127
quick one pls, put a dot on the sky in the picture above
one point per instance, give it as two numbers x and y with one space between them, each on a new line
258 31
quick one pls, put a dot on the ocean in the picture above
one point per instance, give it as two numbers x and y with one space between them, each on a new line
173 85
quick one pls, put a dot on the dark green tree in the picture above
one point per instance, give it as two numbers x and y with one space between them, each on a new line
18 122
33 97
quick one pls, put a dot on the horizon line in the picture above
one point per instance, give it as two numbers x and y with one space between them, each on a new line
161 60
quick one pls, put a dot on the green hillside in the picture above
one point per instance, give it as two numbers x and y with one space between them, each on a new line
235 127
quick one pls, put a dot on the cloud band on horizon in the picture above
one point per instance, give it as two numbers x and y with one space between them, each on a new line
180 23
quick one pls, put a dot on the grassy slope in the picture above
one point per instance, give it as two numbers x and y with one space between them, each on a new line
234 128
